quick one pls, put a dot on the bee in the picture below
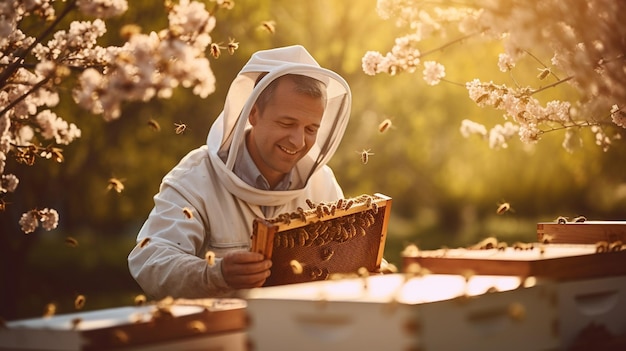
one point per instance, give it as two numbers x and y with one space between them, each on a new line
411 250
128 30
327 253
615 246
3 205
503 208
120 337
79 302
340 204
365 155
486 244
301 214
561 220
232 45
517 311
197 326
384 125
75 322
115 184
363 272
180 128
349 204
602 246
71 242
154 125
310 204
140 300
215 50
210 258
547 238
144 242
296 267
188 212
50 310
544 73
269 26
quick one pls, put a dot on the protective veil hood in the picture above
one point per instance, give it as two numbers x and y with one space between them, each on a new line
227 135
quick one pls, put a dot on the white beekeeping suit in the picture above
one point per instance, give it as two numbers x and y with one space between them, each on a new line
222 205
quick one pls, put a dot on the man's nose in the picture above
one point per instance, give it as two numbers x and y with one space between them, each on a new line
297 137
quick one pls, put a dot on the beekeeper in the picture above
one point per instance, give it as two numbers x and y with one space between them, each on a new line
266 154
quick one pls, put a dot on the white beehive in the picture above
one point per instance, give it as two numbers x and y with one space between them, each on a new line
393 312
202 325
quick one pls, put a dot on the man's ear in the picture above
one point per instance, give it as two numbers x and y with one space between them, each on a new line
253 118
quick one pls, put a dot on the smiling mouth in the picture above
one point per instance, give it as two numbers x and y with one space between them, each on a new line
288 151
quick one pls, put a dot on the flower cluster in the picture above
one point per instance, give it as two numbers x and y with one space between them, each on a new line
580 44
34 62
48 218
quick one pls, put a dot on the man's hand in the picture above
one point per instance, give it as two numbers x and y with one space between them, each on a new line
244 270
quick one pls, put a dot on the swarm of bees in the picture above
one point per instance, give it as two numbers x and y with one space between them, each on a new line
605 246
319 233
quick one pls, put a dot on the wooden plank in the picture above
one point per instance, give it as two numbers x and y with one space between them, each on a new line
559 262
589 232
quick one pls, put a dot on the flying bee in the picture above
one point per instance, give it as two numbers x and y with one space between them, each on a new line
365 155
115 184
269 26
3 205
71 242
232 45
50 310
296 267
210 258
384 125
503 208
144 242
197 326
215 50
120 337
188 212
154 125
79 302
180 128
140 300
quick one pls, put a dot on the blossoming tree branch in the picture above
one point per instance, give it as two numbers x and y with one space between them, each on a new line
35 62
579 43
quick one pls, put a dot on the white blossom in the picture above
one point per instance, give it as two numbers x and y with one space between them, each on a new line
433 72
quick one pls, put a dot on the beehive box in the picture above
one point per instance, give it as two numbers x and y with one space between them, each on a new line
587 232
592 309
553 261
398 312
211 324
328 238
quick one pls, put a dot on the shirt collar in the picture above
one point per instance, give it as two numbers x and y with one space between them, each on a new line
246 169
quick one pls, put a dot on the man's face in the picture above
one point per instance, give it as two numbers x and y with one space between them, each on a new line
285 131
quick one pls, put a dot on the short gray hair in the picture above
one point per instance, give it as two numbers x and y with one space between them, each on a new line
304 84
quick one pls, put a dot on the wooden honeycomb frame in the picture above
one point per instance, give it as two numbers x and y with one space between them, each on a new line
328 238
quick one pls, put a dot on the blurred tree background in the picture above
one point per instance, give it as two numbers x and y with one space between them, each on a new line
445 188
